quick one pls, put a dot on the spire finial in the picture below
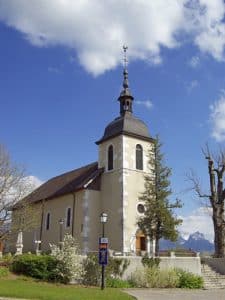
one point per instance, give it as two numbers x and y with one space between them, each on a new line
125 98
125 72
125 56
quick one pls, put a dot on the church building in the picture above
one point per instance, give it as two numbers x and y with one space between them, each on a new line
73 202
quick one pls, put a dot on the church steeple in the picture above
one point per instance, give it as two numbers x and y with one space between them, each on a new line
125 97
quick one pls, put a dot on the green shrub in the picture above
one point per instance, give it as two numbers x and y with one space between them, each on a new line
157 278
92 270
115 269
138 279
6 260
189 280
4 272
169 278
117 283
150 261
152 276
40 267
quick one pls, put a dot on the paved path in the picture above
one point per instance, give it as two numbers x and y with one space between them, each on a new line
176 294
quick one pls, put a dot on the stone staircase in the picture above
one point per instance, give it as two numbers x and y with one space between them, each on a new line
212 279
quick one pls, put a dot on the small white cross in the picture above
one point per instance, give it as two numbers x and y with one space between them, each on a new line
125 55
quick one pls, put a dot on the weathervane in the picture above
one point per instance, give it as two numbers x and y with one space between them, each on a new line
125 56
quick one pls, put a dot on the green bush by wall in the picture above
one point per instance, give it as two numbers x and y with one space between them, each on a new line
37 266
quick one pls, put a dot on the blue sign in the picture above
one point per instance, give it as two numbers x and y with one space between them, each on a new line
103 256
103 240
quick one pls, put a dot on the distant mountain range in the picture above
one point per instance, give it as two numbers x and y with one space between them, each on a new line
196 242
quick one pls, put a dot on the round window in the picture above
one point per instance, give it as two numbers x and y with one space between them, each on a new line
140 208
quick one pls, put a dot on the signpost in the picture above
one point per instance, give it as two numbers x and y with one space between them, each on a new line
103 257
103 253
103 245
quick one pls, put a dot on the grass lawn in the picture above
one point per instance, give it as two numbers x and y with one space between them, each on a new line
29 289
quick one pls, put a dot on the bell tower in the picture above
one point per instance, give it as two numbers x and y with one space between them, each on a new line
123 153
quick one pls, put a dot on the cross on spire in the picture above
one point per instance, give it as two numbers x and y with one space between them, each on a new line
125 56
125 98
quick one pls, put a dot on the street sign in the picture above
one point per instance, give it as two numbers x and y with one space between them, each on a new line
103 240
103 246
103 256
103 251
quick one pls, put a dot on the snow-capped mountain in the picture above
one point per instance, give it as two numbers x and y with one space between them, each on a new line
198 242
195 241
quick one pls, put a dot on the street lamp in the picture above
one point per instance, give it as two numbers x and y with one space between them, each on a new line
103 220
61 222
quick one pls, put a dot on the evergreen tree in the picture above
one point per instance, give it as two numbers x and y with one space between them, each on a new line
158 220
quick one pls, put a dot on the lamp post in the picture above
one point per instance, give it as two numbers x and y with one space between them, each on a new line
103 220
61 222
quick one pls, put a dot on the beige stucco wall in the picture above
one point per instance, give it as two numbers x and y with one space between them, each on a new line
112 192
91 221
111 198
85 225
189 264
84 205
78 218
57 209
133 185
121 188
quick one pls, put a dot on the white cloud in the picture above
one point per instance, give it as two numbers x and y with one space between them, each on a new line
30 183
22 188
96 30
33 181
148 104
211 38
199 220
194 62
217 118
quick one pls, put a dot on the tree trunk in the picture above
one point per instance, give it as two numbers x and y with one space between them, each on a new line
217 203
219 229
156 247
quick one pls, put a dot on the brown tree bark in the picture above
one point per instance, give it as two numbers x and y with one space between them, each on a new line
217 199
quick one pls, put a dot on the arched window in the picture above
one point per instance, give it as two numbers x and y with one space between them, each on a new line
110 157
48 221
68 217
139 157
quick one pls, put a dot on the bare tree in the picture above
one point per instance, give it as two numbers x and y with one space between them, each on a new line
216 197
13 188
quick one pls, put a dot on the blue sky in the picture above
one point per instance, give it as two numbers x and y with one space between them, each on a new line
61 75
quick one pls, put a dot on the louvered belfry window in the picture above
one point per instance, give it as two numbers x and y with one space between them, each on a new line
110 157
139 157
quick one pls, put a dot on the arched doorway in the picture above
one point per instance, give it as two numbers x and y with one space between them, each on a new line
141 242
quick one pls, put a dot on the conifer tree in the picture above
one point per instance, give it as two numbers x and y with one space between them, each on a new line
159 220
